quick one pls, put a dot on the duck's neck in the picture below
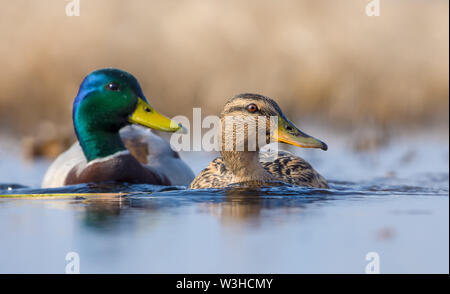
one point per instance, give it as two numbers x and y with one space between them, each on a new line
97 143
245 166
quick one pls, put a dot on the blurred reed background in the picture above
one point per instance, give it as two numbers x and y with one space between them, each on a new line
322 60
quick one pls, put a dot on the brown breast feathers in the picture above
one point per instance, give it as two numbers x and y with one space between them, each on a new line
121 168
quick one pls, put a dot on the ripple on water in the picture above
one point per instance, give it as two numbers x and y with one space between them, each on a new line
438 186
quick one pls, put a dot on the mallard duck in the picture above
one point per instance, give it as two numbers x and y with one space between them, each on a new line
108 113
248 166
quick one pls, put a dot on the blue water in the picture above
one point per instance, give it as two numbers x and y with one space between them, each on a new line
393 202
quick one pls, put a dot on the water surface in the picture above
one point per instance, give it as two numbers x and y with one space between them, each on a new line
393 201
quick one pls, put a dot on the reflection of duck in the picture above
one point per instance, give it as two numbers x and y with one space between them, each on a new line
234 209
108 100
248 167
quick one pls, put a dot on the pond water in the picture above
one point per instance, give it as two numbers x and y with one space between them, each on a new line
392 201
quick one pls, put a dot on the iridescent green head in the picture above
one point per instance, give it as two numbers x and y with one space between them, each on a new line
109 99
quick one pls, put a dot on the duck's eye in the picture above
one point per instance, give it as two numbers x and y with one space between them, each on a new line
252 108
113 87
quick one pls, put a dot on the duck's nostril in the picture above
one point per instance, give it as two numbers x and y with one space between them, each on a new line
147 109
289 128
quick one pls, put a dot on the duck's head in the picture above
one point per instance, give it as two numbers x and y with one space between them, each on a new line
243 110
109 99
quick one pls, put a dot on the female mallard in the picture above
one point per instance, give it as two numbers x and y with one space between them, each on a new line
246 166
109 100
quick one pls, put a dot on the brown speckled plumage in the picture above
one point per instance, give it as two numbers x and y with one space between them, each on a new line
253 168
286 167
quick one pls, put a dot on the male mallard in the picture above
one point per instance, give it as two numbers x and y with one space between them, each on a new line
109 100
246 166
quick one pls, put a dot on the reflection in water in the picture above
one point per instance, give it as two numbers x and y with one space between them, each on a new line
109 205
235 209
231 206
150 229
247 206
234 205
103 213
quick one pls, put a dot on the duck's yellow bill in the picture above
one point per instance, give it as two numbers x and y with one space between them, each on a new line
288 133
147 116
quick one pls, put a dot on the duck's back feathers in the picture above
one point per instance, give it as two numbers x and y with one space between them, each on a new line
283 166
292 169
215 175
154 152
